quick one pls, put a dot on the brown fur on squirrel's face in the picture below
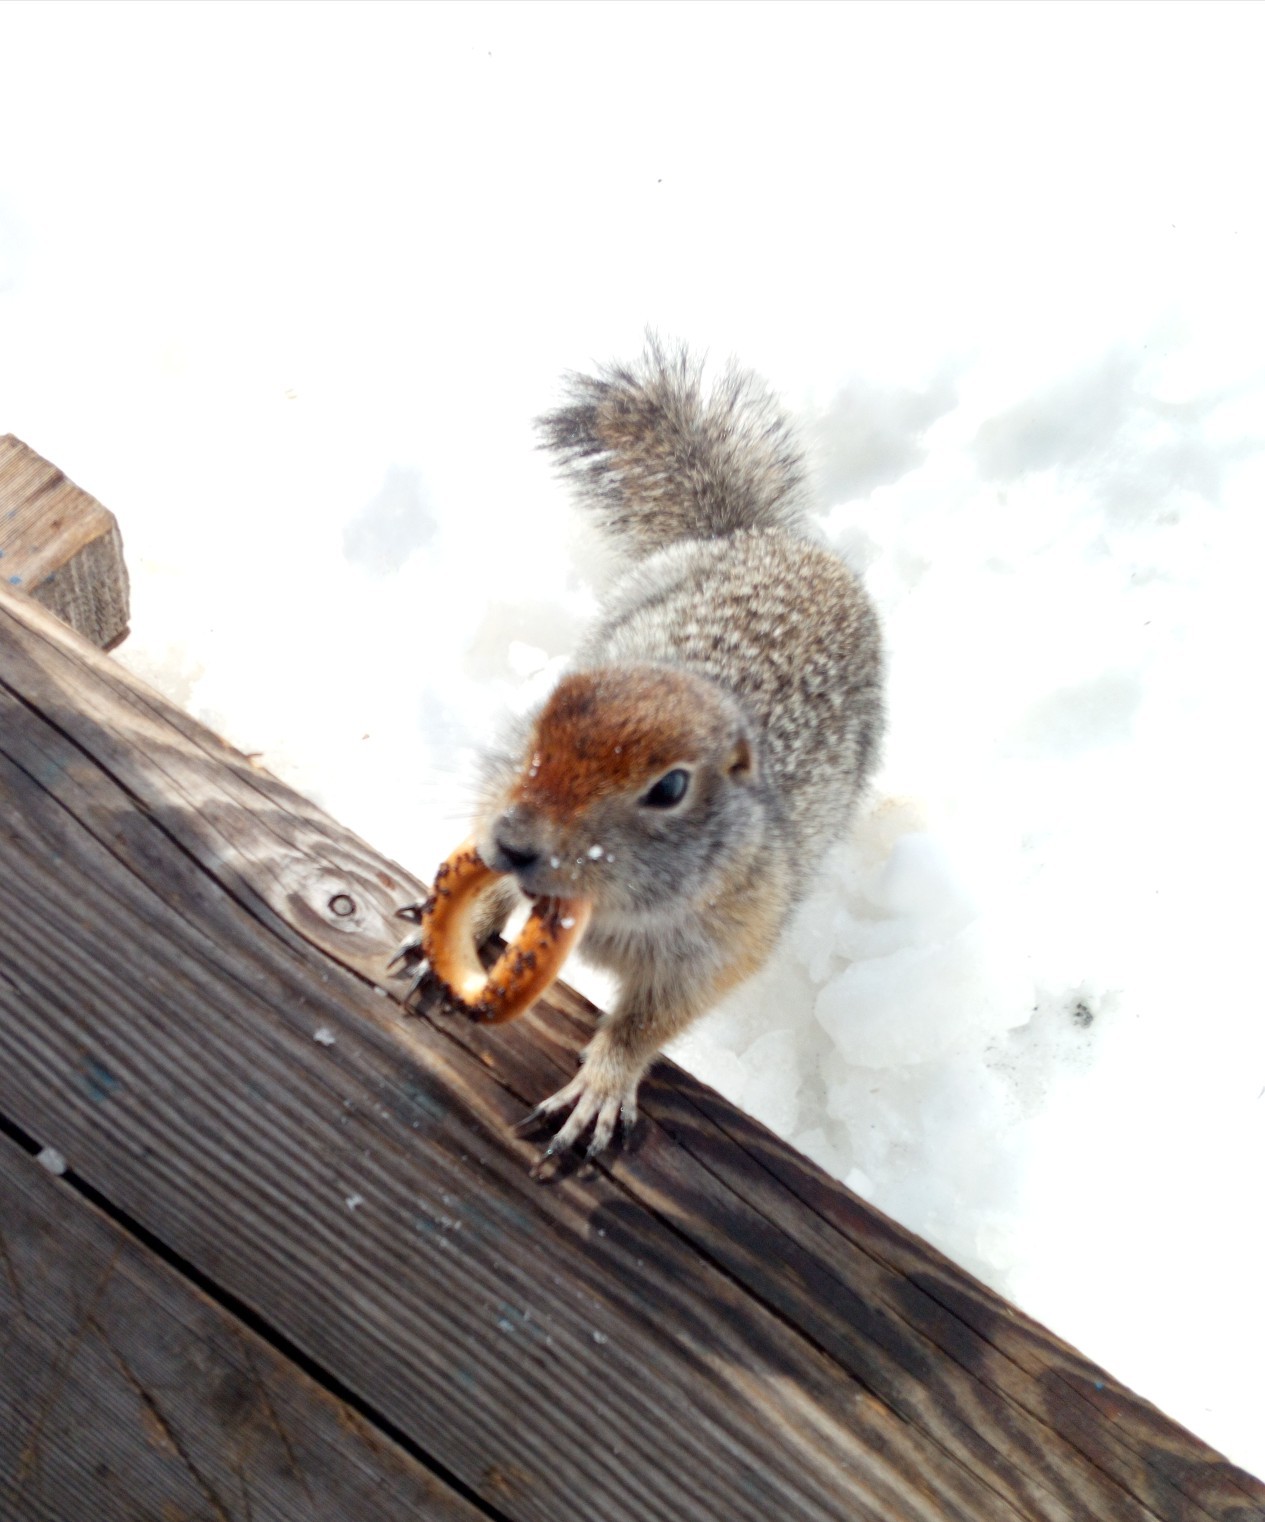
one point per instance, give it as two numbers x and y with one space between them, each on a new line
630 785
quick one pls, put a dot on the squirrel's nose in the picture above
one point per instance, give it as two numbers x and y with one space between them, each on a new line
519 839
519 859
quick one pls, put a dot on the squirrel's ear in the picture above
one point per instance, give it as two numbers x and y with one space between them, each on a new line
741 763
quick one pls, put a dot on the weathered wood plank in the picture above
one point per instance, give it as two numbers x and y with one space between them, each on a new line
1025 1410
127 1394
1126 1437
733 1325
60 546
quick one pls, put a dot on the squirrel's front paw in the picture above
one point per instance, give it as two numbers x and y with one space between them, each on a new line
410 959
597 1098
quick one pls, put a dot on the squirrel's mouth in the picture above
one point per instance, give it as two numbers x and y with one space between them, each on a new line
539 873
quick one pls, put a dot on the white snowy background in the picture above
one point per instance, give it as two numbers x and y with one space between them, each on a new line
284 287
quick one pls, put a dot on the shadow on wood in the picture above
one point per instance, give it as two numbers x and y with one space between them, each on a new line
706 1326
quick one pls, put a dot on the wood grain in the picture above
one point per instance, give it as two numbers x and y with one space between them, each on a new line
127 1393
60 546
708 1327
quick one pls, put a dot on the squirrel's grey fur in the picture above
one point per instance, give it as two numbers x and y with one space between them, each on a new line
734 648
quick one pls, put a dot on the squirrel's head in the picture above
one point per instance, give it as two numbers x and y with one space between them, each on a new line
633 786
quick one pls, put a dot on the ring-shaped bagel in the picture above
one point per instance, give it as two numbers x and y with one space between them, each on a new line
528 965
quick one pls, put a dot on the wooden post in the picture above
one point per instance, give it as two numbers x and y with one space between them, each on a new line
60 546
319 1206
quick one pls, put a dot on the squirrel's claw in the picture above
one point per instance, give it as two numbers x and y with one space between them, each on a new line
418 978
408 952
411 962
532 1119
412 912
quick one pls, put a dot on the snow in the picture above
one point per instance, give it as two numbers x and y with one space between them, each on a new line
285 286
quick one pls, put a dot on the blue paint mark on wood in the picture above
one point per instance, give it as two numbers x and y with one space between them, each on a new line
420 1103
99 1080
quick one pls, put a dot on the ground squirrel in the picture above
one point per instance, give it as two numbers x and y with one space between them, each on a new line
713 733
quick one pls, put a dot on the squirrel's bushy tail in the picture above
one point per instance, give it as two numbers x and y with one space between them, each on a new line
657 458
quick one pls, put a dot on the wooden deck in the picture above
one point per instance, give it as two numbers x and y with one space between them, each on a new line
297 1269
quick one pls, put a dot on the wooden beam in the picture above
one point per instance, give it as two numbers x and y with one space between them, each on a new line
60 546
127 1393
707 1326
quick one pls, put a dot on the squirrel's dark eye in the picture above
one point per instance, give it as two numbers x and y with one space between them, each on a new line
669 789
